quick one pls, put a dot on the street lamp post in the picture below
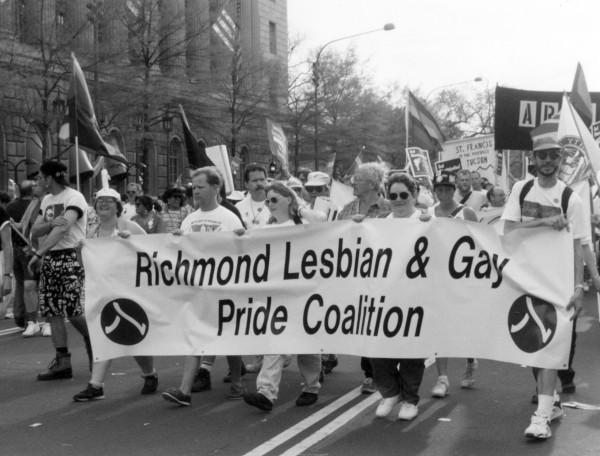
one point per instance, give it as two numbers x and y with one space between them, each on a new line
15 166
315 68
477 79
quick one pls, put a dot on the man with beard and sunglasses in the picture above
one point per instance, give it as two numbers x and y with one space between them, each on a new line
252 208
548 202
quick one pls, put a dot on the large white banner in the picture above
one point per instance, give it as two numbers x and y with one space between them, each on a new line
381 288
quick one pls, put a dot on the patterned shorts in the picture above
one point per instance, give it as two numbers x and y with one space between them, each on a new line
61 286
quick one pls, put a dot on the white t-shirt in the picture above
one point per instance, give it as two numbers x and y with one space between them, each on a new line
543 202
254 214
219 219
56 205
475 200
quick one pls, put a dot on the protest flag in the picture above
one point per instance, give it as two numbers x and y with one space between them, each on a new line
385 165
329 167
278 142
422 129
227 30
580 97
357 162
83 126
197 157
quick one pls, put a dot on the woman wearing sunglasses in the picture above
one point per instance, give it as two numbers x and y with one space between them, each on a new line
109 209
398 380
285 211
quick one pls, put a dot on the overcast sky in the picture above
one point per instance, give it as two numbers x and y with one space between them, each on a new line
526 44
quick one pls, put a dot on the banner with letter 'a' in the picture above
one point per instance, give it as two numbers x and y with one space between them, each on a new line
380 288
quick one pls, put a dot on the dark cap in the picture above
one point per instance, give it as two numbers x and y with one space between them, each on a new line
444 178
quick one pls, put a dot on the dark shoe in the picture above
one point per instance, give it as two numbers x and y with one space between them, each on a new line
306 399
568 388
176 395
150 384
258 400
91 393
59 367
201 381
237 392
227 378
329 365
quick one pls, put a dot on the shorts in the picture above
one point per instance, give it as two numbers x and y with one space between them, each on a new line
61 286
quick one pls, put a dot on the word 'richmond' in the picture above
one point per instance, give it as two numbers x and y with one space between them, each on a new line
341 262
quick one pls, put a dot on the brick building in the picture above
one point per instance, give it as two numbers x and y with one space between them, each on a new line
223 61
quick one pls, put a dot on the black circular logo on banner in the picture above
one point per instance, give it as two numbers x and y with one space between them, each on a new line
124 322
531 323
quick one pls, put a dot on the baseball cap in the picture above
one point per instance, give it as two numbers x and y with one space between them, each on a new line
108 192
444 178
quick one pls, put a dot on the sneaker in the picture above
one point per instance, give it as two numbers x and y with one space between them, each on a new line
568 388
176 395
408 411
385 406
468 379
46 330
329 365
368 387
305 399
201 381
91 393
227 378
557 411
32 329
539 428
258 400
236 392
441 388
150 384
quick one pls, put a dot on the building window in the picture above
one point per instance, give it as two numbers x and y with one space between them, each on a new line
273 37
60 19
174 161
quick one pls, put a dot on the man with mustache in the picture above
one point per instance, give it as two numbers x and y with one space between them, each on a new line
254 212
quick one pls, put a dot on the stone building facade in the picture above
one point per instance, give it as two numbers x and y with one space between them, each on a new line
223 61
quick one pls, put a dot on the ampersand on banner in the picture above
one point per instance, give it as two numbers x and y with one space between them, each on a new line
418 259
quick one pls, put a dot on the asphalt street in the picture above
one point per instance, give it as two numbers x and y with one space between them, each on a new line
41 418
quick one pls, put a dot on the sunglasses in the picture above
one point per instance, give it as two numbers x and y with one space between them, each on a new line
543 154
271 200
401 195
132 193
317 188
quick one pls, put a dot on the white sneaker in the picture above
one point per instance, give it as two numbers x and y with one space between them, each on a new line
408 411
385 406
539 428
46 330
441 388
32 329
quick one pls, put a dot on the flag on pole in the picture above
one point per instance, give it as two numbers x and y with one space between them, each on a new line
226 29
385 165
197 157
82 120
580 149
357 162
580 97
422 129
278 142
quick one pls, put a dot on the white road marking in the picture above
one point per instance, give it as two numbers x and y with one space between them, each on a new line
6 332
305 424
333 426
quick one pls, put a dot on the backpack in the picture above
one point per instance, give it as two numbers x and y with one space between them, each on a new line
564 199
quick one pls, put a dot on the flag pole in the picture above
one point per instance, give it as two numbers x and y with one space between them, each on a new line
587 155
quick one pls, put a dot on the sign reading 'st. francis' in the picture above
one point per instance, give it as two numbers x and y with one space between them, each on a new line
357 261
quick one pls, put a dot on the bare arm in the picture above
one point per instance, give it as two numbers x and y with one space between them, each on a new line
575 301
558 222
7 251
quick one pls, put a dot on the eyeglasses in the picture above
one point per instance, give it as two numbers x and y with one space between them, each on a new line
271 201
357 180
553 153
106 201
316 188
401 195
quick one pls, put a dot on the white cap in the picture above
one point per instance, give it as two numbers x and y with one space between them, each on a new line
108 192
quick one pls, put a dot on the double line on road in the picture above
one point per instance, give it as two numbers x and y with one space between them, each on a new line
314 418
6 332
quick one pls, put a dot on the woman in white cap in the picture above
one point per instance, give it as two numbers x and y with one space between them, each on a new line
109 208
